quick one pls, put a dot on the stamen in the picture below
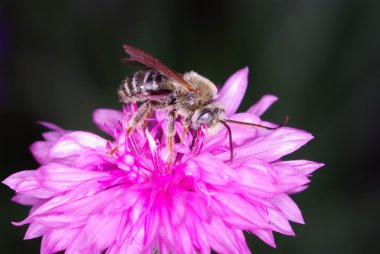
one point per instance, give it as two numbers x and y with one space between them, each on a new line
198 139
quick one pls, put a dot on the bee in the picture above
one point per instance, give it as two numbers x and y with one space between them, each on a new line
188 95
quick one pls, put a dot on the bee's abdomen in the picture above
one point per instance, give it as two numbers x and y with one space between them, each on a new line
142 84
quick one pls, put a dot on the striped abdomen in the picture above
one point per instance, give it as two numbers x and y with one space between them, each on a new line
142 84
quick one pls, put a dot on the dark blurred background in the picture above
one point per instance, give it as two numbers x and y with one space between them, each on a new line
60 60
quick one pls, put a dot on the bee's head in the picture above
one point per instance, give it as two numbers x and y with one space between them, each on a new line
209 115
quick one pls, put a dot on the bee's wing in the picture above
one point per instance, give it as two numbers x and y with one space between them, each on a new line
141 57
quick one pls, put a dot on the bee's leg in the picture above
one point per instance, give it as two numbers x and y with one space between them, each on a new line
147 115
142 112
186 125
170 133
193 141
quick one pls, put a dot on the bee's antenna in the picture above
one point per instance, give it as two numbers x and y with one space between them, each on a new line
230 139
258 125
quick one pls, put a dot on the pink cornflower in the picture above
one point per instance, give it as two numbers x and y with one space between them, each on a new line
91 194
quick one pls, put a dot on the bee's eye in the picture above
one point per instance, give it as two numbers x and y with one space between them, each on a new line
204 118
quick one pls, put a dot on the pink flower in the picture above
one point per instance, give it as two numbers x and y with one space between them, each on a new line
92 195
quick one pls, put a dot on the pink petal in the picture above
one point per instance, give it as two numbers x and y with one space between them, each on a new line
137 210
91 161
265 235
60 178
40 151
13 180
25 182
198 232
233 91
75 143
105 119
79 201
198 206
166 230
26 199
215 142
56 240
213 171
225 239
35 230
52 136
235 207
273 146
290 178
184 243
121 202
152 224
297 189
51 126
305 166
97 235
262 105
257 183
179 209
55 133
288 208
154 151
57 220
279 223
